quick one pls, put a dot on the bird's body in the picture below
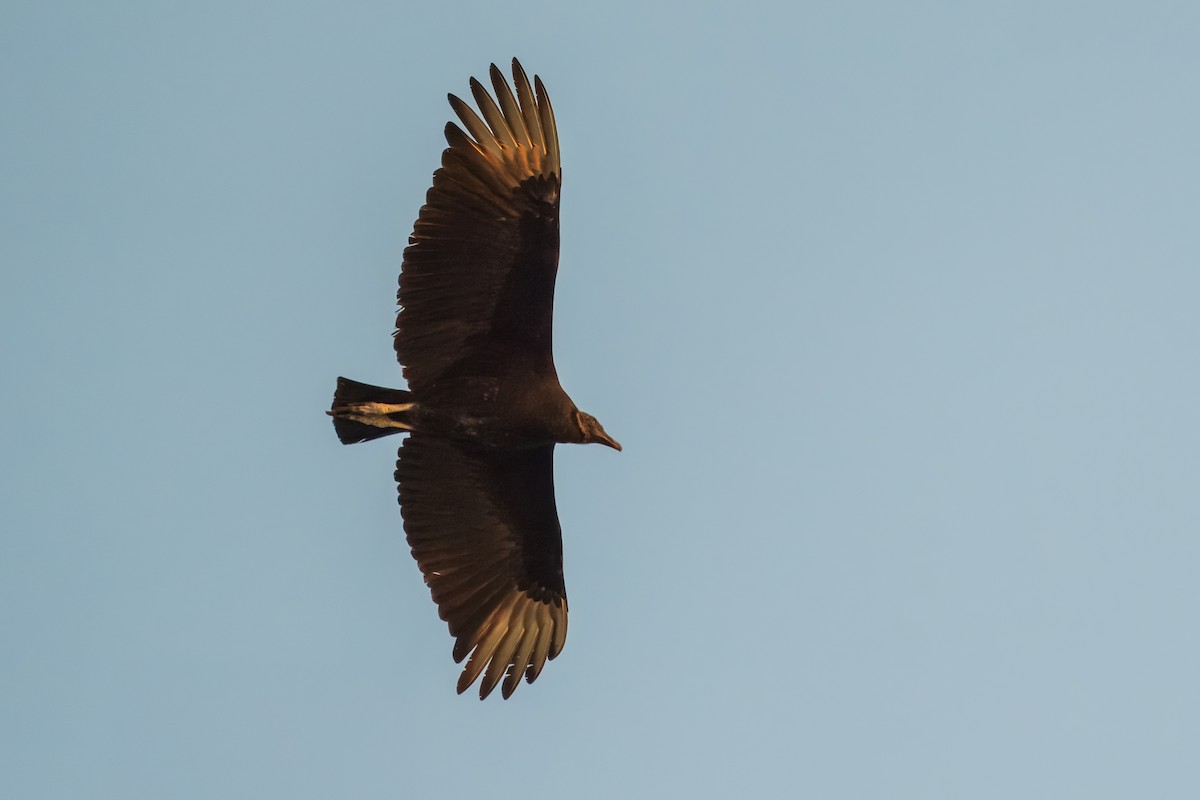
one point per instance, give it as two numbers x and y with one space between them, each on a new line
484 407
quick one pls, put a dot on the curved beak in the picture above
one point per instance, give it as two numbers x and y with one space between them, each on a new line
601 437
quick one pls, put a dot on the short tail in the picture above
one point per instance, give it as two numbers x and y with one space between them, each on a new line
362 412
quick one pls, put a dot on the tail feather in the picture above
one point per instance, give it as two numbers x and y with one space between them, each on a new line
351 432
362 412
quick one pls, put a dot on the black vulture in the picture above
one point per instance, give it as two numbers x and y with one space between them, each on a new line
484 408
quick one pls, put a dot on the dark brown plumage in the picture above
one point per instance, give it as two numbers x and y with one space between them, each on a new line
484 408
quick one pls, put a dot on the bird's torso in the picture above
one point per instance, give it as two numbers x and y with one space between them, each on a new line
501 413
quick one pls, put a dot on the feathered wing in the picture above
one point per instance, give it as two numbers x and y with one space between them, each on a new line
477 285
484 530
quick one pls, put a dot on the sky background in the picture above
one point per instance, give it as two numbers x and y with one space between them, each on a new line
892 305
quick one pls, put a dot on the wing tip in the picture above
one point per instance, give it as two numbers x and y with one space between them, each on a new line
494 131
517 646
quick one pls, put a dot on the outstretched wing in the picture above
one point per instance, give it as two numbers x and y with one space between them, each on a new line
484 529
477 284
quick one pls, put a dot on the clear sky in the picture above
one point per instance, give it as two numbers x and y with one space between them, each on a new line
892 305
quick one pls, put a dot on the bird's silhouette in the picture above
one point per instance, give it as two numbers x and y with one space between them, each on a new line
484 408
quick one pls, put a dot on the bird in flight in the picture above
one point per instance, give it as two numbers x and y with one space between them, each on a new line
484 408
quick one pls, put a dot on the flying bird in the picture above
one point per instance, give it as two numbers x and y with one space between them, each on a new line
484 407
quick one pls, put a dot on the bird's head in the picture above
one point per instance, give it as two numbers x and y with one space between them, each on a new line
592 431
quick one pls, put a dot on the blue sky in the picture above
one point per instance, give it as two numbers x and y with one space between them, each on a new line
893 307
